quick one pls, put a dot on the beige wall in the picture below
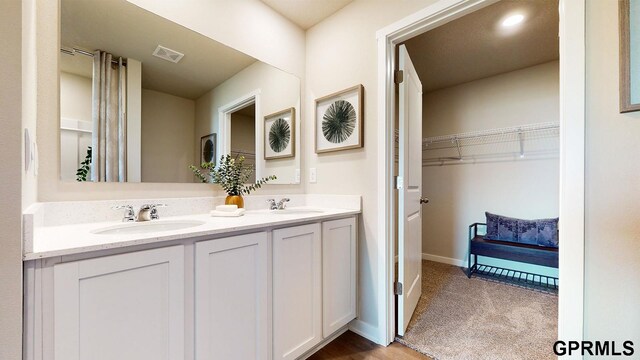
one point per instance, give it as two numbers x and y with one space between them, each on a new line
75 97
612 219
11 184
342 52
460 193
167 137
243 130
243 133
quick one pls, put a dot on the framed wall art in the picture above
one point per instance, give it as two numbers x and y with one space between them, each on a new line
208 148
339 120
629 18
279 134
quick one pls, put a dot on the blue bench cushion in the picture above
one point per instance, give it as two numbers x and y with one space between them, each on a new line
541 232
507 229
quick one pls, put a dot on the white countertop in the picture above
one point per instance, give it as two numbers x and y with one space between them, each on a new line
49 241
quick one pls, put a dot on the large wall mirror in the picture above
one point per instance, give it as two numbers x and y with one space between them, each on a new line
143 98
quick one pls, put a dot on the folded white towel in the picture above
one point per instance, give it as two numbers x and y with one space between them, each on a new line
238 212
229 208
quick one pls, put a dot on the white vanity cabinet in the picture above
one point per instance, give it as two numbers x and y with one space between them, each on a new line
297 290
231 299
339 246
273 294
127 306
314 284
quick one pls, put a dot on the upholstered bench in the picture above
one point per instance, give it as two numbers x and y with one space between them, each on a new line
511 249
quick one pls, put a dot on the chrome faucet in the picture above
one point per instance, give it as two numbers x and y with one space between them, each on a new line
149 212
280 205
145 213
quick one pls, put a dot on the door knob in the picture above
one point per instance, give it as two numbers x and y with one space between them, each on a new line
424 200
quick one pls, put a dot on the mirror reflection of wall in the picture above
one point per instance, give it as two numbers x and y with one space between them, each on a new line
164 97
75 122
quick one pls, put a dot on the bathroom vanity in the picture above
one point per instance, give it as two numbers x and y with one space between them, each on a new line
267 285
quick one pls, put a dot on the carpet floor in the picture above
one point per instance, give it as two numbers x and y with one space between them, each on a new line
474 319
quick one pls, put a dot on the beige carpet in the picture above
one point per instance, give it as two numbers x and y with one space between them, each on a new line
475 319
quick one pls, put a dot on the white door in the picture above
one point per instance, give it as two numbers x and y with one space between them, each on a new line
297 293
231 277
409 192
338 274
125 307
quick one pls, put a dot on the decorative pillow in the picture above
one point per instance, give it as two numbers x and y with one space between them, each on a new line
492 226
528 231
507 229
548 232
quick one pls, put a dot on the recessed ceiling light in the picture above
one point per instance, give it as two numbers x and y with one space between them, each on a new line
512 20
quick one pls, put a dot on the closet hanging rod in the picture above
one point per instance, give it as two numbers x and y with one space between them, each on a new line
74 51
514 130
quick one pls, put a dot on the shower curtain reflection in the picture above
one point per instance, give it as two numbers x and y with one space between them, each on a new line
109 104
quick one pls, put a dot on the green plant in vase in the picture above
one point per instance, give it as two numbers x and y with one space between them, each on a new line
232 174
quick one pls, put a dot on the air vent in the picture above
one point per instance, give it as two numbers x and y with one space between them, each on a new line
167 54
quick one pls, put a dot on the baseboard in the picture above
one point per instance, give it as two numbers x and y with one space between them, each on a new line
443 259
365 330
324 343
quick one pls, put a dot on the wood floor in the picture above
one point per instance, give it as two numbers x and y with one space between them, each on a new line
351 346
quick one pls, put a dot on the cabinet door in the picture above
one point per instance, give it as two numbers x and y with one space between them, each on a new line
128 306
338 274
297 313
231 298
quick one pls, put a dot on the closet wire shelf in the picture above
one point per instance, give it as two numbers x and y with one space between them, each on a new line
516 140
515 277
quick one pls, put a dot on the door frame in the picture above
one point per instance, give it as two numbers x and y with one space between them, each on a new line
572 155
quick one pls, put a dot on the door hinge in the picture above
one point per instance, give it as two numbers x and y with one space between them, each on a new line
399 182
397 288
398 76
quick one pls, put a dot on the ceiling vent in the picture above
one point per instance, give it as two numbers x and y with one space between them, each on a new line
167 54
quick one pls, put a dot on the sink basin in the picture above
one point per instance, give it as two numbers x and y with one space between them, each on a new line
147 227
296 211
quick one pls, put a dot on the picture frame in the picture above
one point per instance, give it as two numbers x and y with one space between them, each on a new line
280 135
208 148
339 119
629 22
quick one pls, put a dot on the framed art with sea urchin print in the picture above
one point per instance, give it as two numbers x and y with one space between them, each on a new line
279 134
339 119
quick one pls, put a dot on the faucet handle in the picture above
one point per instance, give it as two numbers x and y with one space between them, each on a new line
281 203
154 211
272 204
129 214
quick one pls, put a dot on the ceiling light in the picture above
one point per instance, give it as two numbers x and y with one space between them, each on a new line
512 20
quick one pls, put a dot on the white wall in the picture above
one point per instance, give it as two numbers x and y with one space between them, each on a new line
278 91
612 220
11 184
342 52
460 193
167 137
